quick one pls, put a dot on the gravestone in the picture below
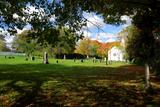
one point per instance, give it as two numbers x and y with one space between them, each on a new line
45 58
94 60
32 58
82 60
100 60
64 57
26 59
105 59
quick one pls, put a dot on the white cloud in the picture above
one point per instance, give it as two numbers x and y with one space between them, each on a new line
105 40
87 34
27 27
15 16
127 19
93 20
111 40
52 19
9 39
101 37
107 37
30 9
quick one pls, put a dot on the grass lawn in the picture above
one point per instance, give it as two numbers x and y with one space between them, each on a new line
74 84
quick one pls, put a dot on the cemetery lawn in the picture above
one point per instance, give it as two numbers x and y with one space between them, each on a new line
74 84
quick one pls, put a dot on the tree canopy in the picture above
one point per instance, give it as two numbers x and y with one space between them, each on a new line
22 44
39 13
3 45
62 43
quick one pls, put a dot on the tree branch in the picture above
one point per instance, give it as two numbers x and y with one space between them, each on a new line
140 3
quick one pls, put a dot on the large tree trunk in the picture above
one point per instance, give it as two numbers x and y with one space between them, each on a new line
147 76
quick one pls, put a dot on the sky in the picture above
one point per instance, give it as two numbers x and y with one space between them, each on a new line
103 33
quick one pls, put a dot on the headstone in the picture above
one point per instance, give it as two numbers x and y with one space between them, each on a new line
26 59
100 60
32 58
105 59
94 60
64 57
45 58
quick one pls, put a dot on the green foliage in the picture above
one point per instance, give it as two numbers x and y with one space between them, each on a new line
54 41
66 41
3 46
94 46
40 18
142 47
83 46
22 44
70 13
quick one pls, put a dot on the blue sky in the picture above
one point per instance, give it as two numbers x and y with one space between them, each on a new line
104 32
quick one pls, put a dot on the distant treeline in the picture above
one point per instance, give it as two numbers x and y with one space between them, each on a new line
73 56
11 54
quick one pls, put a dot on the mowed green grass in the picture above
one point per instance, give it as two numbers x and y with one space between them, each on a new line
74 84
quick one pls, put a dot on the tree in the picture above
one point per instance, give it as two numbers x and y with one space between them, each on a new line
156 61
103 50
94 45
18 13
69 11
83 47
3 46
23 44
66 42
55 41
143 46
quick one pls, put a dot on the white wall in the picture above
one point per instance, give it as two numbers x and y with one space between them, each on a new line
115 54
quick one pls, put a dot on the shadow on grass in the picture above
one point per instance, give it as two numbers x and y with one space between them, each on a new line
58 85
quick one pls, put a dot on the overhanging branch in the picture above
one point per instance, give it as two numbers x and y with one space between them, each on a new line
146 3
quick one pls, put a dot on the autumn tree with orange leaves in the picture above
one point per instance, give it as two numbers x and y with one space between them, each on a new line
92 48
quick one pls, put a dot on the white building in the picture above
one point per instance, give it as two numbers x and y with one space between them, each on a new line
116 54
